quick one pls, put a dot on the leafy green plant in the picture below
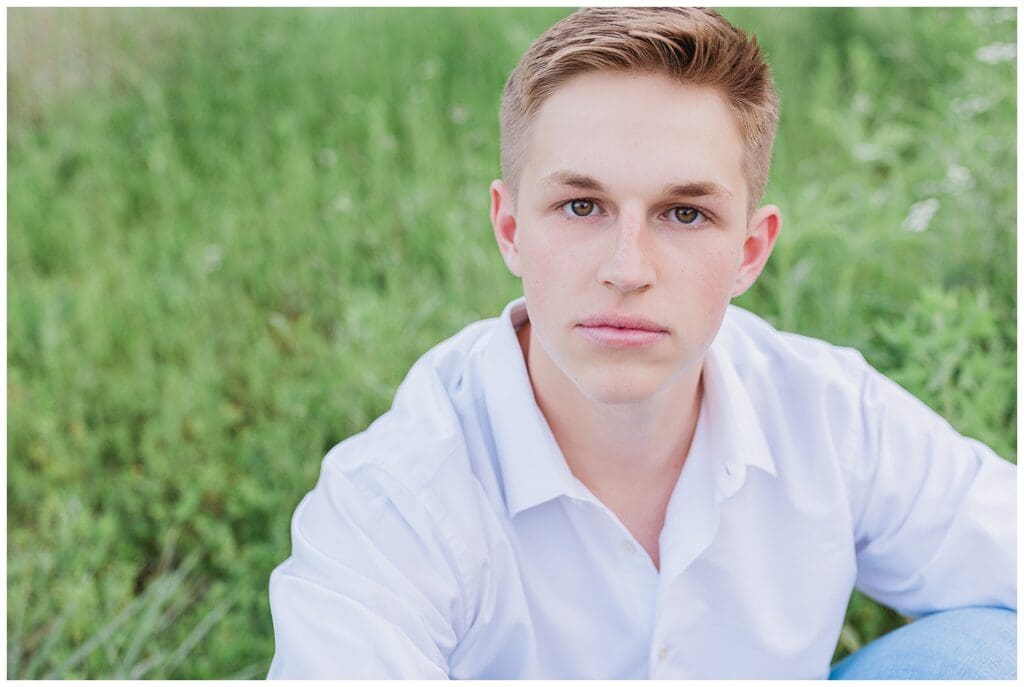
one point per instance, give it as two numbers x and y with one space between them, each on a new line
952 350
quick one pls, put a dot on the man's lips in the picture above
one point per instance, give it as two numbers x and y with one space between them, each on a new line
621 331
623 322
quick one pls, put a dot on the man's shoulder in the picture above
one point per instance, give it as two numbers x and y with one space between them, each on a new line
397 506
807 394
806 376
417 449
752 343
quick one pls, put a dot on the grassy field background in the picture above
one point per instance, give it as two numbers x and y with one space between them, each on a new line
232 231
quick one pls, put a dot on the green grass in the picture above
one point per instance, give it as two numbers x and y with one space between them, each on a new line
231 233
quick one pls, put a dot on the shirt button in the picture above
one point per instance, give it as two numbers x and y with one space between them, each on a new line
728 470
662 654
627 547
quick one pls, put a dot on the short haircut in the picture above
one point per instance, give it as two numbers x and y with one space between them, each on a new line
697 47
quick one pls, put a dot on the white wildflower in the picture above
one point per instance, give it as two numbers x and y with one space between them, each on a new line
341 204
968 107
866 152
861 103
801 271
920 215
212 256
1001 14
458 114
519 36
997 52
278 321
327 158
430 69
991 15
958 178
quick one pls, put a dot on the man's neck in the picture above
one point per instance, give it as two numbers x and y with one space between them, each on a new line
624 453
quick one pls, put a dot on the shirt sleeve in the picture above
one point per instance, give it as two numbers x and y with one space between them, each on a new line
371 589
934 512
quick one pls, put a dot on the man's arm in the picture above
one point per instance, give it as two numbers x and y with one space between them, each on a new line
934 512
370 590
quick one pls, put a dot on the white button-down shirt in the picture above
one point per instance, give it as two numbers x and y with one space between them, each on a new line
450 539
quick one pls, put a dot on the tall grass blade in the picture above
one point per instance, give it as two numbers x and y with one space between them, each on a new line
194 637
253 671
139 671
17 612
159 591
42 654
102 635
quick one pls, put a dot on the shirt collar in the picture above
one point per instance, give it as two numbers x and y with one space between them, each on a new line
533 468
732 426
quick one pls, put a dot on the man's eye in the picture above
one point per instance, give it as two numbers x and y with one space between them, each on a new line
581 207
687 215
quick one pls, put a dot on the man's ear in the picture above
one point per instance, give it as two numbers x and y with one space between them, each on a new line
503 219
762 230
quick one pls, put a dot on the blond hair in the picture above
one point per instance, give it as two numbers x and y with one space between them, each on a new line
692 46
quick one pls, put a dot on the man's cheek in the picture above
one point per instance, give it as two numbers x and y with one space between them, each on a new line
549 271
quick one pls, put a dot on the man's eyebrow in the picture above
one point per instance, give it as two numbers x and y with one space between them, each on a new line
580 181
697 189
691 189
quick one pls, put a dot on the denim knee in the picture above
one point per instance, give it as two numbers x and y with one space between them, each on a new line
973 643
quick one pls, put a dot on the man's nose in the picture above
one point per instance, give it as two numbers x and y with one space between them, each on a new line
629 267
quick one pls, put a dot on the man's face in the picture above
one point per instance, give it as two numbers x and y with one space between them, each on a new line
632 204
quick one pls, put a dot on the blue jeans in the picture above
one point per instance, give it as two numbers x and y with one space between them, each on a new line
976 643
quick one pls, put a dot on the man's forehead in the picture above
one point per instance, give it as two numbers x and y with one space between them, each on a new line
596 93
608 129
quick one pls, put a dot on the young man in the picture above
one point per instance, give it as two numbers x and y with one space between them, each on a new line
623 476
